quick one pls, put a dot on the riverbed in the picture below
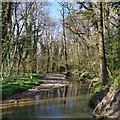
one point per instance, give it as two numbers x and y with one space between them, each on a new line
66 102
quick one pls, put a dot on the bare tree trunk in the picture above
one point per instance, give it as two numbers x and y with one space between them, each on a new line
48 59
64 38
103 70
19 61
78 55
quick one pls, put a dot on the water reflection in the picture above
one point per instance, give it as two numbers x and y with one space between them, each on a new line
68 101
73 89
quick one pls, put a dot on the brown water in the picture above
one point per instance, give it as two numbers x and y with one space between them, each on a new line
71 101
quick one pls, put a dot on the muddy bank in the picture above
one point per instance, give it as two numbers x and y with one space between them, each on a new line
47 85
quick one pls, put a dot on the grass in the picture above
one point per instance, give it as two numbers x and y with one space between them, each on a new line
19 83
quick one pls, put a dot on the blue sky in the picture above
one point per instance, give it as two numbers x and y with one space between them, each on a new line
54 10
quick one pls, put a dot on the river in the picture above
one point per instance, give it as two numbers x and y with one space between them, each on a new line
67 102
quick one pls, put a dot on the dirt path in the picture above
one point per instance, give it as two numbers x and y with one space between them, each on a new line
47 85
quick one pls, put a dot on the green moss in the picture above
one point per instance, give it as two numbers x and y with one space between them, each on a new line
96 86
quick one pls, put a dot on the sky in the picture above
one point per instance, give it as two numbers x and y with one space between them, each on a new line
54 10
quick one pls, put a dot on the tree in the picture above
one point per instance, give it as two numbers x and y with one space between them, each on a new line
7 8
103 69
64 34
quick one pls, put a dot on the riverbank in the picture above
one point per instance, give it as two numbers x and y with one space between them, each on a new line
29 85
47 85
19 83
106 103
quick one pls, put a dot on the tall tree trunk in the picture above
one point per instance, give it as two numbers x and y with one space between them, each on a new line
103 70
1 68
78 55
118 48
34 63
19 61
1 62
6 18
64 38
48 60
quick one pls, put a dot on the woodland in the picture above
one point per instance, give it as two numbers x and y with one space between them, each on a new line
84 41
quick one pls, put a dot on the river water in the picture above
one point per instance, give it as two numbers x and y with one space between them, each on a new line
67 102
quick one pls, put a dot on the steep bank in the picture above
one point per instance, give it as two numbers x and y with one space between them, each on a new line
109 106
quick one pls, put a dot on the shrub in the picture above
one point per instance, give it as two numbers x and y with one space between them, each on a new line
115 83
